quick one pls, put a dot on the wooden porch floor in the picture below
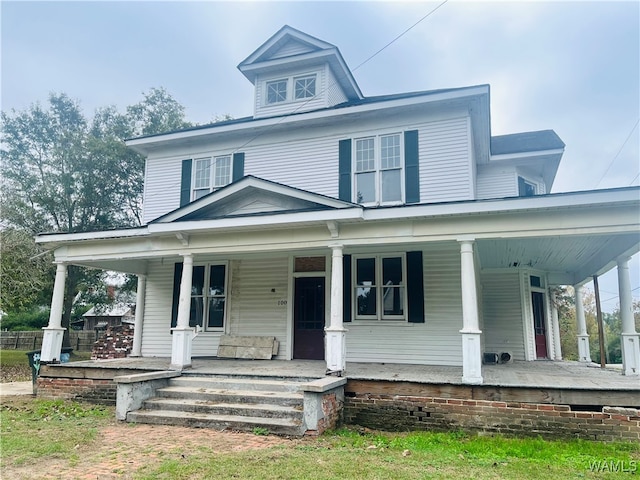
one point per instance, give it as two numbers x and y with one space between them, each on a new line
540 374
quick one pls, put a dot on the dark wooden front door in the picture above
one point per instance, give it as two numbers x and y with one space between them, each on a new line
308 318
537 303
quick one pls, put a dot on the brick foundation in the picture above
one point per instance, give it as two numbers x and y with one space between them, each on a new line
396 413
332 409
101 391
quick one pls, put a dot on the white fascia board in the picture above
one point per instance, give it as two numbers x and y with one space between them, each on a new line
524 155
559 200
278 63
255 126
264 221
49 238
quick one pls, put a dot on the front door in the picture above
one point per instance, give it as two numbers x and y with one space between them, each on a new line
308 318
537 303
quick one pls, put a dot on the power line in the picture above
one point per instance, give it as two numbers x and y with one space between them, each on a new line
617 154
325 89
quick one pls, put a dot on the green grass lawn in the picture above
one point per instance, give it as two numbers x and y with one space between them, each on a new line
14 364
37 432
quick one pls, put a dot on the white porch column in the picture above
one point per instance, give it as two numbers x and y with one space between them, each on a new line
182 333
584 354
335 333
53 332
557 346
471 348
136 351
630 338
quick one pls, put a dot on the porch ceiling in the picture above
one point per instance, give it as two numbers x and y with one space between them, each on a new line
569 259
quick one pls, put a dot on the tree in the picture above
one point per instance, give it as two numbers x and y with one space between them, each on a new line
63 173
565 305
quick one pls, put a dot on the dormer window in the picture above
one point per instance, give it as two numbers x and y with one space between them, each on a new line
305 87
277 91
526 188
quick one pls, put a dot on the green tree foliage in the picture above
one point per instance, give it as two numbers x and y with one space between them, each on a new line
565 304
65 173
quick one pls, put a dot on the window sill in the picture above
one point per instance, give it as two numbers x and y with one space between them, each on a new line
386 323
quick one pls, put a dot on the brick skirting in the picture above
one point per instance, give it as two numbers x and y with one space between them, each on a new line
101 391
398 413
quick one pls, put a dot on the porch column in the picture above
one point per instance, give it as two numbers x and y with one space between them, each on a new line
183 333
584 354
53 332
471 348
335 333
630 338
136 351
555 324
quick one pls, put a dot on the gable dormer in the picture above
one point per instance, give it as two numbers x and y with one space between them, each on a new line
294 72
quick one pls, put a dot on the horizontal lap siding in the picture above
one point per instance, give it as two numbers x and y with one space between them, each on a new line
437 341
445 161
502 312
335 95
496 183
162 187
156 336
254 307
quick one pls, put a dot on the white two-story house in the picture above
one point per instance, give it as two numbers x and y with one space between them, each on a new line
389 229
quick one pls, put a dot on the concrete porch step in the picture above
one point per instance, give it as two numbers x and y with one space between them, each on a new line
237 383
224 408
279 426
217 395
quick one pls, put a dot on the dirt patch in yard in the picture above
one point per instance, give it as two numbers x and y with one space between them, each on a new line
121 449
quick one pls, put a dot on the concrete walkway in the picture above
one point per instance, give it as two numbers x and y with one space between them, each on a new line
16 388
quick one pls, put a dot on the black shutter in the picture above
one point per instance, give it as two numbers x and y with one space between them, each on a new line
346 288
177 277
415 287
344 170
411 167
238 166
185 183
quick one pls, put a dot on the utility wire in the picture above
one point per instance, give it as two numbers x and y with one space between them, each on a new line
326 88
617 154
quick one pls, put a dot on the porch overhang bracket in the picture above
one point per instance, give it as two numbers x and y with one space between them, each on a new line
334 229
183 238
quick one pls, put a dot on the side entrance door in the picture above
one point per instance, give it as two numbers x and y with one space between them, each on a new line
537 304
308 318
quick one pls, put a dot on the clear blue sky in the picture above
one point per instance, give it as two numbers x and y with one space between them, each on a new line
569 66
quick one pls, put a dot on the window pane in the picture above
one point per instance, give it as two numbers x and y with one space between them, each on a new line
390 151
216 280
195 315
392 271
277 91
391 186
365 271
305 87
203 173
201 193
366 300
393 301
197 281
365 187
365 155
222 171
216 312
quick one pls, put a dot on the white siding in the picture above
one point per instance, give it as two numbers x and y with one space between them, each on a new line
435 342
334 93
156 333
502 313
254 307
445 161
291 48
496 182
308 159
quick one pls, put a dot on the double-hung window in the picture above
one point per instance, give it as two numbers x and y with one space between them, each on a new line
378 169
380 287
210 173
208 297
